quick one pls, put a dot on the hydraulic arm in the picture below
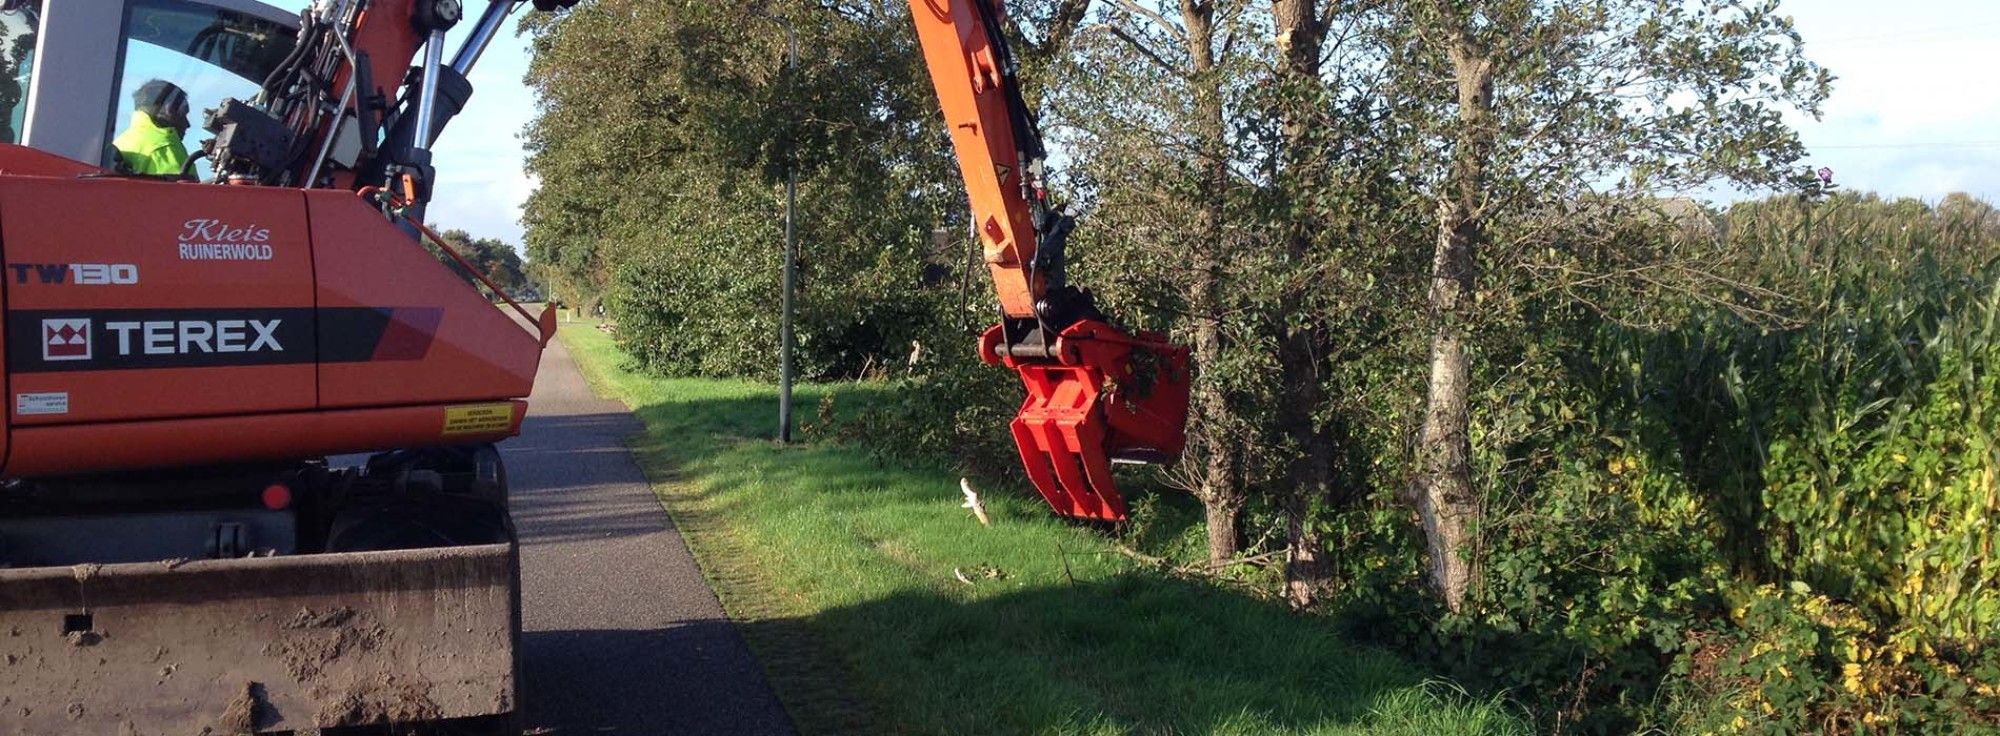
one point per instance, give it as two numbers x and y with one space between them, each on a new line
1096 394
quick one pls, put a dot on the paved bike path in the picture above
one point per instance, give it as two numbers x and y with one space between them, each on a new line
621 633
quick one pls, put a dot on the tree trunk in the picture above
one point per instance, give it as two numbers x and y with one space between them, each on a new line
1308 567
1445 498
1300 33
1445 501
1220 485
1308 570
1224 536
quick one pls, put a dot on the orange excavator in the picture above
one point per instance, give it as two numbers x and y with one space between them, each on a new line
186 349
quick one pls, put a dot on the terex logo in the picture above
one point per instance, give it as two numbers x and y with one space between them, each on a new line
81 274
180 337
65 339
41 341
205 239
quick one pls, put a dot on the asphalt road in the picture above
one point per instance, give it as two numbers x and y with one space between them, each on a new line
621 633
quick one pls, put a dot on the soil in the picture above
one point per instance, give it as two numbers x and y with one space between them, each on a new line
306 618
322 638
389 700
241 715
83 638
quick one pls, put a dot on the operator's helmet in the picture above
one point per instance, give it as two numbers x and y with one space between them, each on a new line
164 102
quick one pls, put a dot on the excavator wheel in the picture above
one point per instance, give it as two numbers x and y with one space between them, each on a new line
428 498
436 497
474 470
435 521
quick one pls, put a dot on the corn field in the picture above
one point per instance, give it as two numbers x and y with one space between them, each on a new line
1785 524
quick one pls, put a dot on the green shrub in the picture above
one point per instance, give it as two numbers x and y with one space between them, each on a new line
1722 524
952 411
1834 479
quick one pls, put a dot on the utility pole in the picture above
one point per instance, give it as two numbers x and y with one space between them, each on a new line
786 344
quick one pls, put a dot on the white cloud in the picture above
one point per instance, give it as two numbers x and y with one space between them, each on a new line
1914 101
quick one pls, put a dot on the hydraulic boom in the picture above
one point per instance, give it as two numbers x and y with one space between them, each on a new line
1095 393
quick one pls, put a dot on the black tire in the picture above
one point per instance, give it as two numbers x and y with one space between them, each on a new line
475 470
430 520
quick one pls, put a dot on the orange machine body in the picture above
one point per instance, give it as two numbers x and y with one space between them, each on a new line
966 72
1104 397
157 324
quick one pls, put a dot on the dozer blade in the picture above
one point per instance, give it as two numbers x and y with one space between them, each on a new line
1095 396
253 645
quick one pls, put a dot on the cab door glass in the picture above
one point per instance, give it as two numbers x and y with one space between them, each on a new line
204 53
20 22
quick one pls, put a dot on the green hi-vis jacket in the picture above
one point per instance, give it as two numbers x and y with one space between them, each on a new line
151 149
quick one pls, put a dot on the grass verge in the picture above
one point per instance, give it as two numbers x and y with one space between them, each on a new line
843 576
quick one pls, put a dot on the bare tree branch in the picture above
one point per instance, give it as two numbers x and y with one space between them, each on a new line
1165 25
1143 50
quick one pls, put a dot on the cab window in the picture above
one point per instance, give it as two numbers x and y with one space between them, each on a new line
205 53
20 21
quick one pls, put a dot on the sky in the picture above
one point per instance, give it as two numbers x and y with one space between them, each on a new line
482 176
1915 110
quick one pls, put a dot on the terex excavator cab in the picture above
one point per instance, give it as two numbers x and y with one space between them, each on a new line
181 353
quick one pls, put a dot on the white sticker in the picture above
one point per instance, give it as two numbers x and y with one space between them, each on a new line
28 405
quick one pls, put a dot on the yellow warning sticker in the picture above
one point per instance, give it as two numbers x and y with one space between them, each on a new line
478 419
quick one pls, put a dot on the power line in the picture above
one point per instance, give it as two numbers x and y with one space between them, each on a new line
1935 144
1903 36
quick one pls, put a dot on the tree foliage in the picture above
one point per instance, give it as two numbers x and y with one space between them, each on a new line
1457 322
492 258
666 132
1535 123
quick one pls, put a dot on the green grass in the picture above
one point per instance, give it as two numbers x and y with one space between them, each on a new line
840 573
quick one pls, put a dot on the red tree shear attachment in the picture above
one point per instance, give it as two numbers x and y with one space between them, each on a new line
1095 396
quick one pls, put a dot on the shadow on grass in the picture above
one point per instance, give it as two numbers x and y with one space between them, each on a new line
844 574
1133 654
1105 648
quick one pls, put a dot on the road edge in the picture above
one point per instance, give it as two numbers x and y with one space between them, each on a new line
810 680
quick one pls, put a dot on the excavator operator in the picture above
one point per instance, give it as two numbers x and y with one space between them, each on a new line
152 145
